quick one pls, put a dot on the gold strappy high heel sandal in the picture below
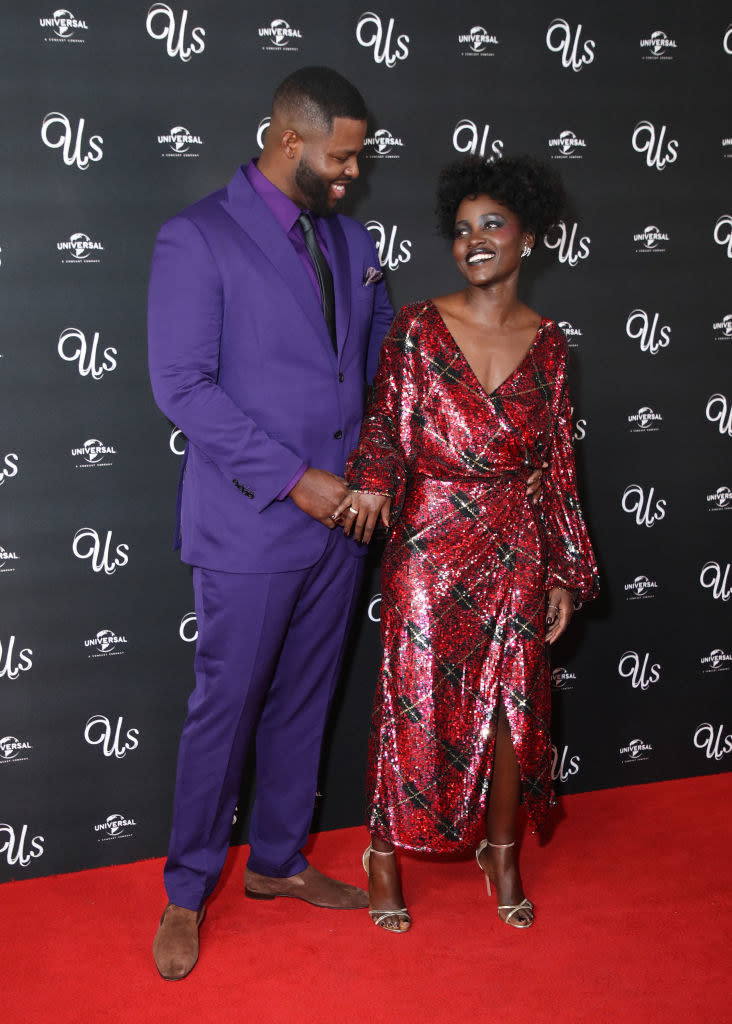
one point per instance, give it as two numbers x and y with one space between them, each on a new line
379 916
525 905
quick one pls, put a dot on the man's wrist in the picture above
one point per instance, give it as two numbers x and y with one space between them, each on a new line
285 492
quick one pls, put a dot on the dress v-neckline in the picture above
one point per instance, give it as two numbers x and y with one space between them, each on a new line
461 354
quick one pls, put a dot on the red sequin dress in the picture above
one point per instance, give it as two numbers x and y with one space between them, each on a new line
465 574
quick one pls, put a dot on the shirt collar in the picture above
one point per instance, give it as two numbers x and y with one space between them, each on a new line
284 210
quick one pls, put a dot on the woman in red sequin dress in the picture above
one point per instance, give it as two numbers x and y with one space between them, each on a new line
470 397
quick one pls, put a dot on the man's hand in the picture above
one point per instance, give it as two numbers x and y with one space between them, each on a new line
360 512
533 484
560 608
319 493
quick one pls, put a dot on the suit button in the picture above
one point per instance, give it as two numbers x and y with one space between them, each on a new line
338 435
341 378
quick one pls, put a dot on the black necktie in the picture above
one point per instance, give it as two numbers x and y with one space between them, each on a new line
322 272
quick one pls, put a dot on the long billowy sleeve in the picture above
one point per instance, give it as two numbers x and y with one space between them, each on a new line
379 464
571 561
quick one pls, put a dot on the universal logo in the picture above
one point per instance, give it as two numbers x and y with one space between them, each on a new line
727 147
380 145
178 142
13 749
7 558
117 826
714 577
11 665
388 48
99 732
374 610
80 249
727 40
645 421
279 36
723 233
95 454
641 588
651 239
641 328
17 848
636 750
658 46
635 667
105 644
569 248
562 679
638 501
723 327
468 137
73 348
720 499
188 628
392 253
715 661
560 39
566 145
480 42
571 333
161 24
719 411
57 132
64 26
8 467
652 141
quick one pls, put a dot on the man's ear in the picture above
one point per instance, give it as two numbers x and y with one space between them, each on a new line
291 143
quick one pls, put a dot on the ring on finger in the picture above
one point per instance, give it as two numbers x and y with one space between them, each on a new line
352 510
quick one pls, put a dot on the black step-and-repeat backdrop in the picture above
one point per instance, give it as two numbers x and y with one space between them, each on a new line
115 116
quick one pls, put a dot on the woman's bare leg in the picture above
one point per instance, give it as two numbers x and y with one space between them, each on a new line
501 865
385 888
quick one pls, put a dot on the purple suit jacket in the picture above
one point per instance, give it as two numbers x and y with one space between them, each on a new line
241 361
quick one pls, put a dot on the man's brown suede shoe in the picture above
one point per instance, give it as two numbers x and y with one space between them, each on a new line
175 946
309 885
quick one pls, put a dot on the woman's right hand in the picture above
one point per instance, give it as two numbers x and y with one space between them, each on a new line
359 512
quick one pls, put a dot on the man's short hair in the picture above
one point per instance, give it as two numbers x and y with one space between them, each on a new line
318 95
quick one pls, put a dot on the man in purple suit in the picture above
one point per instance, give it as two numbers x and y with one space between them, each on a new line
266 314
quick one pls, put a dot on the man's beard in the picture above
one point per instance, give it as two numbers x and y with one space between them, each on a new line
313 189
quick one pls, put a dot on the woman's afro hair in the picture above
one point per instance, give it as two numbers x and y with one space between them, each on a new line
530 189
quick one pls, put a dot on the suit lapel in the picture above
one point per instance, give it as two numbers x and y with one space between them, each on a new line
341 265
252 215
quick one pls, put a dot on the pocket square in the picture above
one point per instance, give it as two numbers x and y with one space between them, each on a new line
371 276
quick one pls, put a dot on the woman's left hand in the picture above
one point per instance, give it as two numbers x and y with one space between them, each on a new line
559 611
533 484
360 512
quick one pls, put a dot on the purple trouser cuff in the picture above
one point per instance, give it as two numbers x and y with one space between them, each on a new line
286 490
293 866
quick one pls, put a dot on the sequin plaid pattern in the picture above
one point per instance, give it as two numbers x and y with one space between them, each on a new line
465 573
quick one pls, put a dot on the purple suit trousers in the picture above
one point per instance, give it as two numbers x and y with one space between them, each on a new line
269 651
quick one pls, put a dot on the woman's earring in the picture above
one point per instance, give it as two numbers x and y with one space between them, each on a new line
526 251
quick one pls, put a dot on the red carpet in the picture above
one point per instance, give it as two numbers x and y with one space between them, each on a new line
633 907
